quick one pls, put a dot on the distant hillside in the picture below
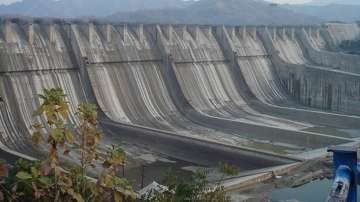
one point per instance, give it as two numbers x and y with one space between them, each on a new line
327 2
231 12
77 8
331 12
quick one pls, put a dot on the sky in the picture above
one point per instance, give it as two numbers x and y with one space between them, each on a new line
290 1
7 1
277 1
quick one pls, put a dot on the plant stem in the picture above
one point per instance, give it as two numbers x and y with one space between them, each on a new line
8 192
83 163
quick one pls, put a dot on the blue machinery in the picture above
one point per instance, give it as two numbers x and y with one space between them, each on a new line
346 174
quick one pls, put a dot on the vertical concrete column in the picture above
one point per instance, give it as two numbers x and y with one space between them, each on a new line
209 30
274 33
125 32
254 33
232 32
52 33
283 32
8 31
243 32
292 33
310 31
140 32
91 32
264 30
220 33
197 33
169 33
31 33
183 31
68 29
317 32
108 33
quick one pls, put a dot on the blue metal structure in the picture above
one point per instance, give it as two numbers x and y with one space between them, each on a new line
346 174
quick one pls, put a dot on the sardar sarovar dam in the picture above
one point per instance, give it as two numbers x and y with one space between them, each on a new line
251 96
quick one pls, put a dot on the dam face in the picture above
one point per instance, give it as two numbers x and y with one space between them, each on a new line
246 95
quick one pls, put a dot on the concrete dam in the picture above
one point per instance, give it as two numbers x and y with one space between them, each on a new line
251 96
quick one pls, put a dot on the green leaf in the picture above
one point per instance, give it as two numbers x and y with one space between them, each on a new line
75 195
107 181
21 164
57 135
117 156
35 172
46 181
117 197
69 137
63 109
23 175
37 137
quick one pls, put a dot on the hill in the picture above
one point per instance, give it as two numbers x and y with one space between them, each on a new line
331 12
230 12
78 8
327 2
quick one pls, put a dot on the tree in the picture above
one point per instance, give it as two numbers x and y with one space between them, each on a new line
47 180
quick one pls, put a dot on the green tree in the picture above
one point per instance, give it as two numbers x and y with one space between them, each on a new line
47 180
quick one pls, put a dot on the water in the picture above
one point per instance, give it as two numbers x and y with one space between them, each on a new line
316 191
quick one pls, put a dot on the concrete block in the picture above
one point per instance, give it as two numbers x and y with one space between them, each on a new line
92 32
108 33
8 25
140 32
31 33
52 35
125 33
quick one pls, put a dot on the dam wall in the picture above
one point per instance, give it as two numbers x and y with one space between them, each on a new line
253 65
132 90
30 61
190 81
340 61
315 86
208 86
335 33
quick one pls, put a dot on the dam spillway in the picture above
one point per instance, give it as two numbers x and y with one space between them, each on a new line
248 94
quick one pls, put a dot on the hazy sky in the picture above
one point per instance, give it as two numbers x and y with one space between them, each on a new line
290 1
7 1
277 1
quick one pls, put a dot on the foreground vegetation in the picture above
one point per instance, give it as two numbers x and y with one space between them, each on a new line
46 180
50 180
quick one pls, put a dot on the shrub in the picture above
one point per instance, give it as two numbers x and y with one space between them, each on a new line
47 180
198 189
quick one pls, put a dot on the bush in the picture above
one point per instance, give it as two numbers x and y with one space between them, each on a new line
197 189
47 180
229 169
